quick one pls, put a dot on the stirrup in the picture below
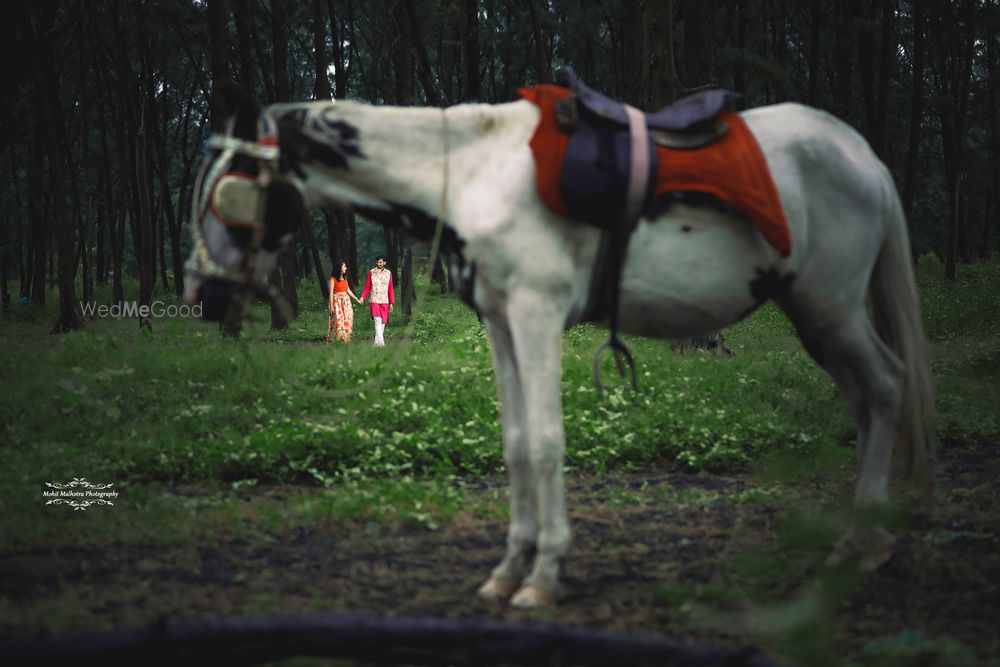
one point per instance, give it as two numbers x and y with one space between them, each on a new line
618 349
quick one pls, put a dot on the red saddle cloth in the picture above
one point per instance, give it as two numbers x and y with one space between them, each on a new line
732 169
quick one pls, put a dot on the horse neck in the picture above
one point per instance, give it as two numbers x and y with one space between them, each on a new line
415 156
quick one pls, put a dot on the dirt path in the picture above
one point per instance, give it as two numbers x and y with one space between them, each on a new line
687 564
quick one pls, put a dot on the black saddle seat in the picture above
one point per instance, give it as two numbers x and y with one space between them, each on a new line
689 114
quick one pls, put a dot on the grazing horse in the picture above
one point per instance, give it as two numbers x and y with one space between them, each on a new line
688 270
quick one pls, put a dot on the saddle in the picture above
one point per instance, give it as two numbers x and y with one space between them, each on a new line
685 124
611 163
609 176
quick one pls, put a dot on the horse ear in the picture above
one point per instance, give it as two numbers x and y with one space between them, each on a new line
241 103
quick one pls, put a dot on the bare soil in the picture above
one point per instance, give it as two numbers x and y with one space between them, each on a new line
661 568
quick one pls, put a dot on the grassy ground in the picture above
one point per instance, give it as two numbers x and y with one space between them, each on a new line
190 426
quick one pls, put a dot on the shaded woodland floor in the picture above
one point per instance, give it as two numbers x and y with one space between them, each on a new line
721 558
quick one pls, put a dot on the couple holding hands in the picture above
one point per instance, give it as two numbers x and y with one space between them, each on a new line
379 285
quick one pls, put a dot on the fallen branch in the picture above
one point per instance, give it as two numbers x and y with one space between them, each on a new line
415 641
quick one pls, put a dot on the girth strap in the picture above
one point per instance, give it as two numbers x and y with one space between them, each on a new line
614 241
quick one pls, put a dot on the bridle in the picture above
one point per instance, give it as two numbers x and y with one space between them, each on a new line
266 151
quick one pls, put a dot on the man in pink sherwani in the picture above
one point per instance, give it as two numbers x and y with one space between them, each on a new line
379 283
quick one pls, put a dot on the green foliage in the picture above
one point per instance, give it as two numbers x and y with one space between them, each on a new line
183 404
911 647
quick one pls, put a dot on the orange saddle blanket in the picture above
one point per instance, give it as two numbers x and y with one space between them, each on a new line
732 169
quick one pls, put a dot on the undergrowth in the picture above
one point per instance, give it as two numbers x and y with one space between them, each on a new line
183 404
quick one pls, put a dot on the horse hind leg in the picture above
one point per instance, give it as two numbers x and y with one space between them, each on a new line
870 378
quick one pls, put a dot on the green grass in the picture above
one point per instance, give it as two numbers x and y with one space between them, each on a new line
182 405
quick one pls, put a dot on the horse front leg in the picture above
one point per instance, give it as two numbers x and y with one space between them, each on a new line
523 528
536 325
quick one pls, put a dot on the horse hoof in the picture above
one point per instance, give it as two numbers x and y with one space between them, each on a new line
872 546
530 597
497 589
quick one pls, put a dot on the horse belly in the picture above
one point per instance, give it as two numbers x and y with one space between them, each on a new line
691 272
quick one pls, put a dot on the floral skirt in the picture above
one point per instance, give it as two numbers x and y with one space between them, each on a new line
341 318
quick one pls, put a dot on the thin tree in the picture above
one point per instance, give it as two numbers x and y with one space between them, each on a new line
47 108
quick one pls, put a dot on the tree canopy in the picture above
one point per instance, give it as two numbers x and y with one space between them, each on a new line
107 103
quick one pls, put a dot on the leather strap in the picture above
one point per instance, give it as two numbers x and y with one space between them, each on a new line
638 173
615 244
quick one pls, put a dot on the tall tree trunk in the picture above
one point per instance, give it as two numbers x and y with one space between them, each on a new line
348 223
218 48
39 229
424 72
993 110
118 257
538 36
409 294
146 258
87 282
658 40
106 208
867 64
887 66
340 58
101 275
633 89
471 84
173 216
916 111
699 50
4 291
278 321
843 21
333 248
403 61
955 50
282 93
739 67
310 232
815 32
23 254
955 195
391 236
321 87
47 108
243 18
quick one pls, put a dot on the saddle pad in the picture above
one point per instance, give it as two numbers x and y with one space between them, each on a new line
731 169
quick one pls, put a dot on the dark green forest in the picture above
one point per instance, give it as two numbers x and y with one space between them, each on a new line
107 104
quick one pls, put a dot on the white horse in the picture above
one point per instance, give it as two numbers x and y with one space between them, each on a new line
527 271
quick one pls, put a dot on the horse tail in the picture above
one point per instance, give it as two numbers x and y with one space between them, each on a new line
896 310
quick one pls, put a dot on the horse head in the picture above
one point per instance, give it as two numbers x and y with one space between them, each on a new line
243 212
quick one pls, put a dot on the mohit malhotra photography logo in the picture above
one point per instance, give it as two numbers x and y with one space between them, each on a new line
135 309
79 494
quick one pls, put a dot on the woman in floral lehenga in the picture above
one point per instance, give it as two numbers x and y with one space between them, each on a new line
341 310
